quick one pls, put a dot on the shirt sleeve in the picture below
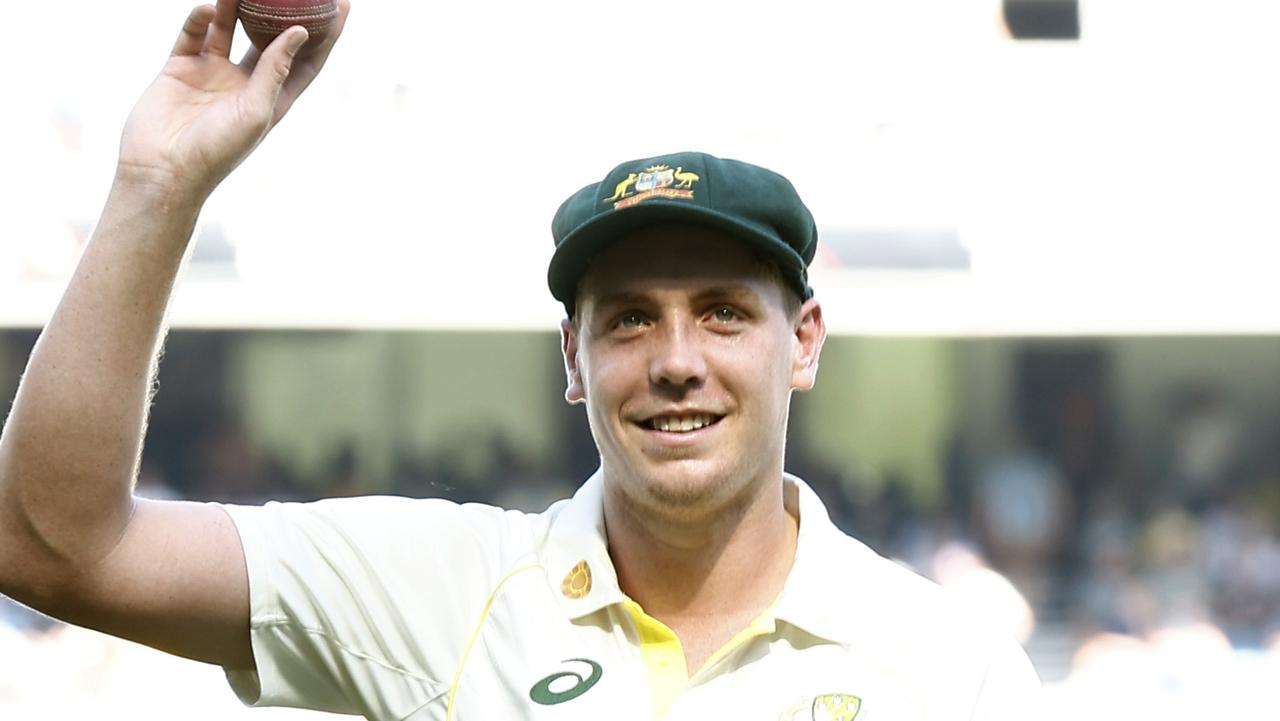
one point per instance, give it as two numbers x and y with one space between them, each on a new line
363 606
1011 689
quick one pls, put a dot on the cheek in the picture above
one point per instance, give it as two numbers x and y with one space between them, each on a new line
606 379
756 361
761 372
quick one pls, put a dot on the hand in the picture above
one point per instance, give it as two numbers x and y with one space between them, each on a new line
204 114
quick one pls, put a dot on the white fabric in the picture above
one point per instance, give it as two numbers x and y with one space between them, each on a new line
367 606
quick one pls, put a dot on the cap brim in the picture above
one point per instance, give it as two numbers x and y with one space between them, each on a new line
579 248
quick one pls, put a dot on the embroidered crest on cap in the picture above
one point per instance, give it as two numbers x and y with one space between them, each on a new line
655 181
577 582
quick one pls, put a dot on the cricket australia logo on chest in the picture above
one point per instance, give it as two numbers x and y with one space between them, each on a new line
655 181
826 707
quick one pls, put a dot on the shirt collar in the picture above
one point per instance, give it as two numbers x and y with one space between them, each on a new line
818 596
831 576
577 538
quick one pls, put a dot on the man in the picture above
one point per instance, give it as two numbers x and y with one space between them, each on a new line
689 578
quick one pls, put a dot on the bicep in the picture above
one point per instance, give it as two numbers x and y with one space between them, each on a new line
177 582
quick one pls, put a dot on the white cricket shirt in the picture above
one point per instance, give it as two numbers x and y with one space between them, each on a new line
398 608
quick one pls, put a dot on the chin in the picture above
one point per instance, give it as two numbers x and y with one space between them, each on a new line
683 487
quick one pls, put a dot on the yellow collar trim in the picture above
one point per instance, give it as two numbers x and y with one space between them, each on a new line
663 654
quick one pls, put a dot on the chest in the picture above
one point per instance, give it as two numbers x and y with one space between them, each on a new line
529 661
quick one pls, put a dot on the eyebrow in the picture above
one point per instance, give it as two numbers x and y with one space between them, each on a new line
624 298
718 291
727 291
740 294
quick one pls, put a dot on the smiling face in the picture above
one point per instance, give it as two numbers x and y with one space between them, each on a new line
685 354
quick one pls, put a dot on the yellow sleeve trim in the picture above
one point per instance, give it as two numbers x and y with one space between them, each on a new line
475 633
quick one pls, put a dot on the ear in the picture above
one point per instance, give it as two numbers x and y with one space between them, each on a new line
573 392
811 333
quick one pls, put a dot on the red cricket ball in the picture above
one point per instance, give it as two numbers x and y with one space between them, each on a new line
263 20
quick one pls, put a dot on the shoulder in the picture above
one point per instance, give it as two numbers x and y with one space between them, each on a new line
885 585
389 529
893 606
389 515
930 633
859 592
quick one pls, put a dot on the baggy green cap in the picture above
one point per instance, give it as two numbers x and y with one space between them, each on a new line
747 201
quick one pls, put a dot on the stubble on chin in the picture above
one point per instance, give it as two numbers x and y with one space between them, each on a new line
677 497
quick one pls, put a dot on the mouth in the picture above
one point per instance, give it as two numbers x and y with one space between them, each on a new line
680 423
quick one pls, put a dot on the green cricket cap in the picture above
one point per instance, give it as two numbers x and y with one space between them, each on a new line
752 203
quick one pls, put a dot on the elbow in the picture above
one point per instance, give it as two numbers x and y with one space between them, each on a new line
33 571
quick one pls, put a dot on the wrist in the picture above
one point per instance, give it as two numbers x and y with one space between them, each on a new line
157 187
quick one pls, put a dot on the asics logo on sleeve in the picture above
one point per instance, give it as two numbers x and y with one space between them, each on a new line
558 688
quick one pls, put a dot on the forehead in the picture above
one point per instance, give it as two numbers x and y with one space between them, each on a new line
666 256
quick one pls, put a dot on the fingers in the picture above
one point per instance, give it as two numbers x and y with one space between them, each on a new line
191 39
309 67
276 76
320 53
251 58
272 69
344 9
223 28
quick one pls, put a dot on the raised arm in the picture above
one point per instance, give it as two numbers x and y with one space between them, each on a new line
74 542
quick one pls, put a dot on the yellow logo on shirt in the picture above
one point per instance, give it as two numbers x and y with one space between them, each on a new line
836 707
827 707
577 582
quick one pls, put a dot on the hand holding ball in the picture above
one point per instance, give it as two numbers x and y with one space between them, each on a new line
263 20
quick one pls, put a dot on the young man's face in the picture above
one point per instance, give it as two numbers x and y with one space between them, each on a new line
685 355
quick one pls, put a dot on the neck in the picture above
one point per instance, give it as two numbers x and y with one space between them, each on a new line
726 562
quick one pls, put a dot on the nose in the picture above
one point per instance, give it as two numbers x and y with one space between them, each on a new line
677 359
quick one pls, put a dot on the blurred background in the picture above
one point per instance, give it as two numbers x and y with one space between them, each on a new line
1048 258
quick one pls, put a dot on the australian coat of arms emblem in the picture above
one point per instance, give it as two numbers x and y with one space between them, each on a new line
655 181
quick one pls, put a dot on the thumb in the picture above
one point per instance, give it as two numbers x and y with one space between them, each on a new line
273 67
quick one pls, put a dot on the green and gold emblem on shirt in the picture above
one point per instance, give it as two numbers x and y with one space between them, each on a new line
827 707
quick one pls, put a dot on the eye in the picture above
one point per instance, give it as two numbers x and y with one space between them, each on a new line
630 320
725 314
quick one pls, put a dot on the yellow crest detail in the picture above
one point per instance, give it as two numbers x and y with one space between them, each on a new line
685 179
623 189
655 181
577 582
836 707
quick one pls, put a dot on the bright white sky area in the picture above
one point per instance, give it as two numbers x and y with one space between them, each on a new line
1124 183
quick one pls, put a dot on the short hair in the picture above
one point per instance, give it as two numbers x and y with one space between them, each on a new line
791 300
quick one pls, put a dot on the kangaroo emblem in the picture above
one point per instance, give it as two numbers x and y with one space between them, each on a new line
686 180
623 187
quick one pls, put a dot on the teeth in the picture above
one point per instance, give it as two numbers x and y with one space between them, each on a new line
681 424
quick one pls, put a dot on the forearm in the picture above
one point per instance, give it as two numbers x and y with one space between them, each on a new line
70 448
